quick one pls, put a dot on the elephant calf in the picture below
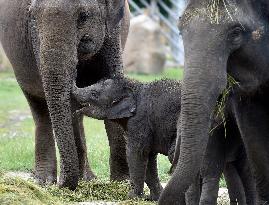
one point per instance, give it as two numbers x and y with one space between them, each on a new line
149 113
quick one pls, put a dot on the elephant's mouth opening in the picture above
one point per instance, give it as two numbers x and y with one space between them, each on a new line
91 110
90 71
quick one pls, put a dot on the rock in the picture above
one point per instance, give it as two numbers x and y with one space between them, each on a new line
144 51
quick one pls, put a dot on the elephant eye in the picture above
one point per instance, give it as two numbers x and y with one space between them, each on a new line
114 102
83 17
235 35
94 95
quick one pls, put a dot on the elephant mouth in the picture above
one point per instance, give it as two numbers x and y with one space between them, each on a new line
92 111
84 105
86 48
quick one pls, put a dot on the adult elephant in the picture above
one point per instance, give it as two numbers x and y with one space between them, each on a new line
50 43
220 38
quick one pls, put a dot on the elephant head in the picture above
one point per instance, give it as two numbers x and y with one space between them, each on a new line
109 99
66 32
220 37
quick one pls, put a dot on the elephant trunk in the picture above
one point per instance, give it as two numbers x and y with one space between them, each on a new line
202 84
58 60
82 95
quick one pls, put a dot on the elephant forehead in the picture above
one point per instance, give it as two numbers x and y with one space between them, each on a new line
212 11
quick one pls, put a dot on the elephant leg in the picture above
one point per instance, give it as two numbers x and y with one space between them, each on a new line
45 153
152 179
234 185
84 167
212 167
118 162
171 152
137 165
252 119
247 179
193 194
209 194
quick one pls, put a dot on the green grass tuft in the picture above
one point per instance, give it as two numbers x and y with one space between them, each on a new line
219 111
15 191
170 73
93 191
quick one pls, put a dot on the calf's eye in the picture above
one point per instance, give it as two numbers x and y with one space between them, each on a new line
114 102
94 95
235 36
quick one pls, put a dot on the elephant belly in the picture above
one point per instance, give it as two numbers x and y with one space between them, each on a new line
26 72
162 145
33 86
17 43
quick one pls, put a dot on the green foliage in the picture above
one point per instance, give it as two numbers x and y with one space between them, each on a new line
16 191
170 73
93 191
221 104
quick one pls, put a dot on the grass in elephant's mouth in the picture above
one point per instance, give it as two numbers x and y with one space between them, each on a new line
16 191
219 111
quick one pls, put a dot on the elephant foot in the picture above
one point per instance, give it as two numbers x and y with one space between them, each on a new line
154 197
132 195
171 200
88 175
155 193
68 181
45 178
233 203
262 202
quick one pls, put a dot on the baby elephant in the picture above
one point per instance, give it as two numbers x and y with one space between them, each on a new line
148 112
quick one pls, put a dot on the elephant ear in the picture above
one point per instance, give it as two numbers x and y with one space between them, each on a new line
123 108
115 12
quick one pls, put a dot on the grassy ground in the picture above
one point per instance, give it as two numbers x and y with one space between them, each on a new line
16 191
17 130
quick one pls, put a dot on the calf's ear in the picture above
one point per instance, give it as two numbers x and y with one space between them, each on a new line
124 108
115 12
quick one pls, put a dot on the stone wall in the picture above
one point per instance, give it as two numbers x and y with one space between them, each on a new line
144 51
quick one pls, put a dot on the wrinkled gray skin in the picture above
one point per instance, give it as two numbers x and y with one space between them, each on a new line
149 112
237 43
225 154
50 43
